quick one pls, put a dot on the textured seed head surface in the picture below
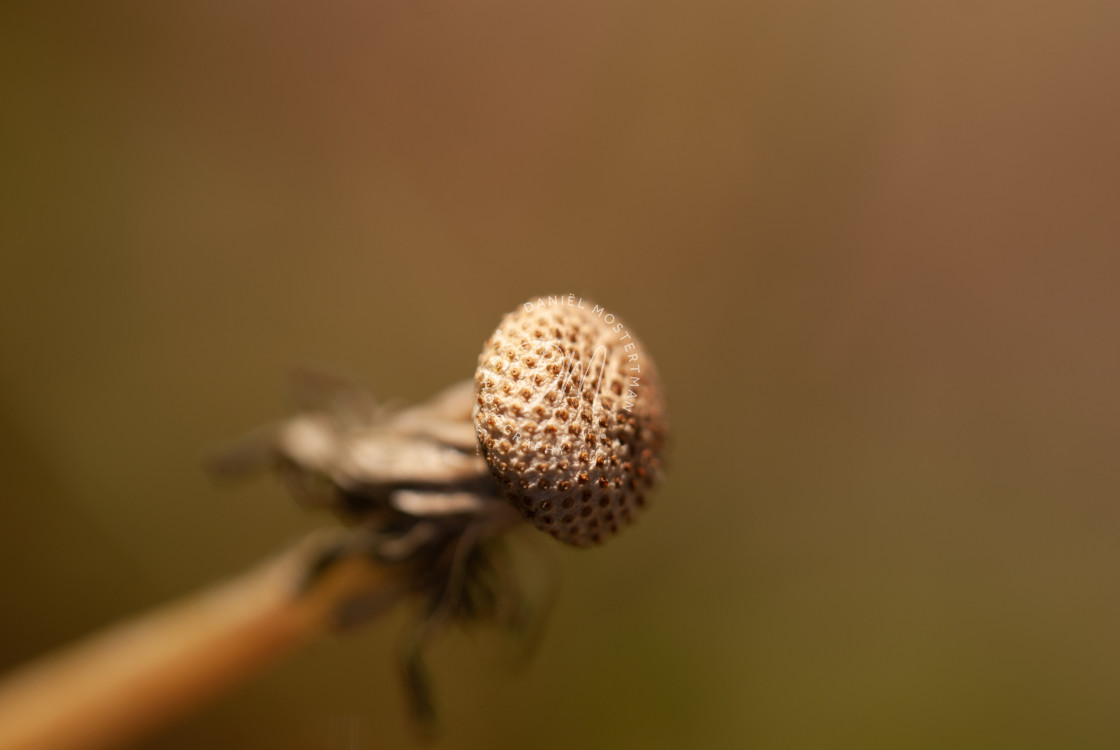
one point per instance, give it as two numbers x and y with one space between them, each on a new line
570 417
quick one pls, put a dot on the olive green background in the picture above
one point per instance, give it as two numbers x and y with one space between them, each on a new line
872 245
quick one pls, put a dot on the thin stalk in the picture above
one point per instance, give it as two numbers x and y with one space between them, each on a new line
121 684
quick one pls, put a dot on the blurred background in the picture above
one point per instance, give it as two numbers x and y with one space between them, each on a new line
874 247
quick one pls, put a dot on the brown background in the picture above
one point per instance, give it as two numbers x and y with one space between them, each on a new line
873 245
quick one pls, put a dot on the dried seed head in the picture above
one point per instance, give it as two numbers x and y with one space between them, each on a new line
570 417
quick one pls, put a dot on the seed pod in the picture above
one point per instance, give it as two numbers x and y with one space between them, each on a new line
570 417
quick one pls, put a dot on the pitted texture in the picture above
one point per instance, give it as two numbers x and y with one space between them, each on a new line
570 417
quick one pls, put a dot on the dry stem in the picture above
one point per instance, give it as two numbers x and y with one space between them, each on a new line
138 675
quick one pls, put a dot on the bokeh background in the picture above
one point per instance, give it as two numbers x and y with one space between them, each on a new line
874 246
